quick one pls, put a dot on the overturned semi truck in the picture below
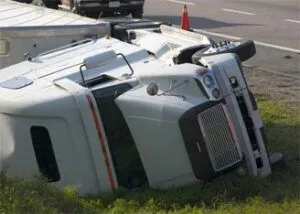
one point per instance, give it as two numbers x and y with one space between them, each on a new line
158 111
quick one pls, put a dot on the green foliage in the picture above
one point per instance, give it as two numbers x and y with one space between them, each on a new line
230 193
283 131
278 113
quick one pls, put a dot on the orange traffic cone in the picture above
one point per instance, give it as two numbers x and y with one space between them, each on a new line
185 21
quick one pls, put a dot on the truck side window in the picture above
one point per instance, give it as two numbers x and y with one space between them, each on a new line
44 153
126 159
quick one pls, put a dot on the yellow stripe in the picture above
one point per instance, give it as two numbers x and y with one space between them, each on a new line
103 147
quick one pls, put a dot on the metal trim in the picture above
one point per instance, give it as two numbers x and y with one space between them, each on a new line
222 154
55 30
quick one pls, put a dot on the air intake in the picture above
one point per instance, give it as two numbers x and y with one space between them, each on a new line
220 142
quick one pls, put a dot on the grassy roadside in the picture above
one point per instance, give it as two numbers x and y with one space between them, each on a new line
278 193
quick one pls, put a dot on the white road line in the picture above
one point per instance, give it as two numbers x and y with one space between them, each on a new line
292 20
218 34
182 2
284 48
238 11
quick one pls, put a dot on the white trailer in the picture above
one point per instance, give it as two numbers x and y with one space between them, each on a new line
27 30
106 114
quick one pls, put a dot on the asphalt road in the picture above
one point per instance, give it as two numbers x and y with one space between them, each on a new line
270 21
273 24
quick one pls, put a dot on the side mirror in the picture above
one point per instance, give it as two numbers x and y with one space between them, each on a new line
152 89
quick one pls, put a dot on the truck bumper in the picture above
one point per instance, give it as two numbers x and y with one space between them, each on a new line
97 6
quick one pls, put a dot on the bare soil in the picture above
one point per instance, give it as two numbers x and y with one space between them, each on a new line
274 85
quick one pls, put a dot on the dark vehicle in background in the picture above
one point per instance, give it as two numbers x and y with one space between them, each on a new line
24 1
99 8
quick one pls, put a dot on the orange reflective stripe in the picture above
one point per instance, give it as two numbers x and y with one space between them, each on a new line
103 147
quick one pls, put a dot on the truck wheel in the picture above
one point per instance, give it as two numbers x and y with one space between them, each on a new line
243 49
120 30
185 55
137 12
53 4
94 15
26 1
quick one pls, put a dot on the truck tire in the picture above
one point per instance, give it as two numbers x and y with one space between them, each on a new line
26 1
53 4
244 50
185 55
94 15
120 30
137 12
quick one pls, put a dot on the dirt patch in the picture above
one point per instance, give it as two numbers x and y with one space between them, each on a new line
274 85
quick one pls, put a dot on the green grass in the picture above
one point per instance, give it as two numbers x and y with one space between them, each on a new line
231 193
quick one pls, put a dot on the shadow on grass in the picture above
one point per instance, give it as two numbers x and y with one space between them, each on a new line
197 22
232 188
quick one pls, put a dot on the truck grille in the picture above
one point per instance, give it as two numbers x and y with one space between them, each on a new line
219 137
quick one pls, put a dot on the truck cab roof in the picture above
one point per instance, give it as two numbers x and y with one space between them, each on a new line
30 76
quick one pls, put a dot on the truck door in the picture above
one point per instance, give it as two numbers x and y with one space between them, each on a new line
128 166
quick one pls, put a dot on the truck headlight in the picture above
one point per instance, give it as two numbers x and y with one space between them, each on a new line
208 81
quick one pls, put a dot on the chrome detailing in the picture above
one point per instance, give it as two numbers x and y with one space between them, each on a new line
220 140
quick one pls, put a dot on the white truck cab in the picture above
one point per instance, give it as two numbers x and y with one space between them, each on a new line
106 114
